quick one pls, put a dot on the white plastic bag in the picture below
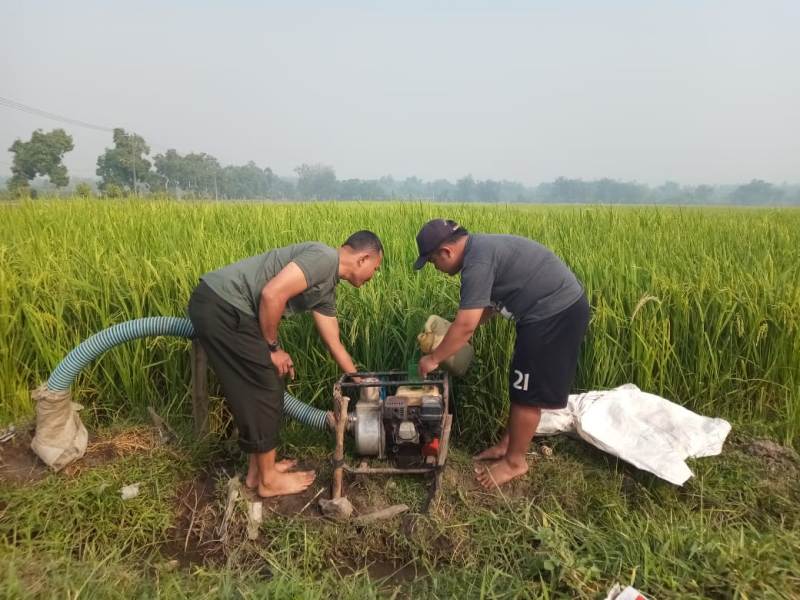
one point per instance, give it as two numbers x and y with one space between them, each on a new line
629 593
648 431
130 491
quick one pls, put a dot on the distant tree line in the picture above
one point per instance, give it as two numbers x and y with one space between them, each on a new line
127 169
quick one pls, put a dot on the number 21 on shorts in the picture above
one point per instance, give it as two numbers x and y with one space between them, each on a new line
521 383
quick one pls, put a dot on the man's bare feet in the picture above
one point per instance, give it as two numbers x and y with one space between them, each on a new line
494 452
500 472
286 464
284 484
281 466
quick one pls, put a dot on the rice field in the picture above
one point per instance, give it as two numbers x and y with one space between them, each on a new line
701 306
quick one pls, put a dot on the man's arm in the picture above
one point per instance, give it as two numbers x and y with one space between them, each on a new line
328 328
464 325
285 285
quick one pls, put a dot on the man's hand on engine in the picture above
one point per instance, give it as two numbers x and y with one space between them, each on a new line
426 365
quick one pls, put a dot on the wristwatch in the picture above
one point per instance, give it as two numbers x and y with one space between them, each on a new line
273 346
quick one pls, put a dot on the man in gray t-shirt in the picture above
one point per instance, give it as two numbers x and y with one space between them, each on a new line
236 312
520 280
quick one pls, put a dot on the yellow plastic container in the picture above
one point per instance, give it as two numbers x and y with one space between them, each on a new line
414 393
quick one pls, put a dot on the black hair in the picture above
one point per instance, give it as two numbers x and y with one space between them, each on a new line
364 241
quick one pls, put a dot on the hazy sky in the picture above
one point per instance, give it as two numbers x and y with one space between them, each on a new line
649 91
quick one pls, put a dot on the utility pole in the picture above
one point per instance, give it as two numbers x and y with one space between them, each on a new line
133 158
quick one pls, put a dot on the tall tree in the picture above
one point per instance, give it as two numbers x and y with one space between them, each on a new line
169 171
125 164
247 181
41 155
202 173
487 191
703 194
465 189
756 192
316 182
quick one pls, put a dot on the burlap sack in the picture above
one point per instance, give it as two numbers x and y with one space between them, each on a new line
435 329
60 435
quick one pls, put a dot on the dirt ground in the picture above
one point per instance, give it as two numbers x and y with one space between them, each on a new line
20 466
197 539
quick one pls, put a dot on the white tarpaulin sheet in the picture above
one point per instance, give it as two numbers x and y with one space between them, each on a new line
646 430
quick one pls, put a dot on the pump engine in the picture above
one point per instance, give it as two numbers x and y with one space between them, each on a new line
405 427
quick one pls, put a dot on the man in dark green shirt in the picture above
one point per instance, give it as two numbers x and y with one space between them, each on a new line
236 312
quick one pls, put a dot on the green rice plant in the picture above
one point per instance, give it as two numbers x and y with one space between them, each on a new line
699 305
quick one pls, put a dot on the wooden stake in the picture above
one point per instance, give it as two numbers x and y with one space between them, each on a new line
199 389
380 515
437 484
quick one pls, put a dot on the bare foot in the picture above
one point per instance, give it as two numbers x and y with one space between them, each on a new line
500 472
281 466
284 465
284 484
494 452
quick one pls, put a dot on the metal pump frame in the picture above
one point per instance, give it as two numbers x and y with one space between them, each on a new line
395 379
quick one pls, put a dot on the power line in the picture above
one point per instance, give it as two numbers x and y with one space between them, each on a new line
32 110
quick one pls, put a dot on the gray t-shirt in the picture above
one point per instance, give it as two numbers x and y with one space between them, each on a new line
241 283
518 277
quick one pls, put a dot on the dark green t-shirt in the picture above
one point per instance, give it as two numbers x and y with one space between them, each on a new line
241 283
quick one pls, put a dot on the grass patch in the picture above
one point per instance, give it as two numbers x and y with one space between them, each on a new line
578 522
